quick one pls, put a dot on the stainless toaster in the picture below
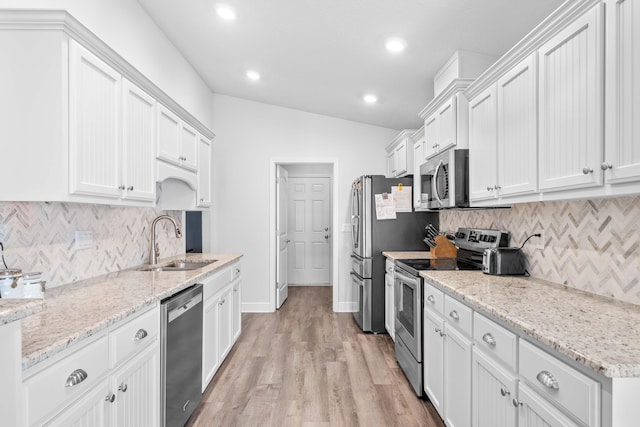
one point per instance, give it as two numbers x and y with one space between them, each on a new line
504 261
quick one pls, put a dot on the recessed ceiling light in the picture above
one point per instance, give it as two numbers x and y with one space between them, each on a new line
395 45
370 98
225 12
253 75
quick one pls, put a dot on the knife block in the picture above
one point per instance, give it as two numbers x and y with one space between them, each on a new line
444 248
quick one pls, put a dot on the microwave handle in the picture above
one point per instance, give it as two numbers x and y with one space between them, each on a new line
435 182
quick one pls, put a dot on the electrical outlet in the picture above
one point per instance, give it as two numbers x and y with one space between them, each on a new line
537 243
84 240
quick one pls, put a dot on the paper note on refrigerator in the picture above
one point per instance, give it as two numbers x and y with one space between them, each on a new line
385 206
402 198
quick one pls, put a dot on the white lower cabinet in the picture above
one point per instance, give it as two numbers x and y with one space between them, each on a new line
389 301
494 387
433 359
221 319
535 411
91 410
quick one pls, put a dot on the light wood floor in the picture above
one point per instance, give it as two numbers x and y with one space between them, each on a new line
308 366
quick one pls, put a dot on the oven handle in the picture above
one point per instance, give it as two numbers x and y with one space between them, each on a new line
435 182
412 280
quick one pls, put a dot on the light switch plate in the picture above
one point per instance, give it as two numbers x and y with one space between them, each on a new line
84 240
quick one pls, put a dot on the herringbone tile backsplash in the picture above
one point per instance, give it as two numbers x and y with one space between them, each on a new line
41 237
591 245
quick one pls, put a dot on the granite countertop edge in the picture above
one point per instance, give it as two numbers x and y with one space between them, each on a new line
41 338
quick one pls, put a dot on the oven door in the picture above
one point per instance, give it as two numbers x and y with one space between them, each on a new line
362 288
408 296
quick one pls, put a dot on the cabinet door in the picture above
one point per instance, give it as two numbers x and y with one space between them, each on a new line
535 411
418 158
483 146
93 409
204 172
225 322
94 111
457 378
138 135
447 125
433 359
430 137
137 390
389 306
493 390
518 129
402 166
237 312
571 86
622 152
189 147
391 164
168 136
210 349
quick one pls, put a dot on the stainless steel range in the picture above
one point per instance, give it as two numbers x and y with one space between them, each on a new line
471 244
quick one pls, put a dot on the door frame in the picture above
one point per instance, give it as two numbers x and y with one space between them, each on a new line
272 223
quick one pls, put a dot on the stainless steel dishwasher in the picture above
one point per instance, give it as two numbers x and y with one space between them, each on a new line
181 355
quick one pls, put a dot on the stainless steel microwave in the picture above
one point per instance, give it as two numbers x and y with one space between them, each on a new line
445 180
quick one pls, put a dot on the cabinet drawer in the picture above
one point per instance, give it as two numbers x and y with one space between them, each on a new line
134 335
236 271
458 315
47 390
495 340
389 266
214 283
433 299
560 383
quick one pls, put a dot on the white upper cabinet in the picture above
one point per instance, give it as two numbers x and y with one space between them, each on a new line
622 149
418 159
400 155
430 137
482 145
94 128
189 145
446 119
571 107
138 136
204 172
517 129
177 141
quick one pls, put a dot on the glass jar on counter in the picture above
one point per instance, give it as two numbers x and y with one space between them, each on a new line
9 286
32 285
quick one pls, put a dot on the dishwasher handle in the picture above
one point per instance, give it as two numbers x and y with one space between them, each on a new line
176 312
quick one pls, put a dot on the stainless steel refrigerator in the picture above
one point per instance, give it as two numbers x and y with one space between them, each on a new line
372 236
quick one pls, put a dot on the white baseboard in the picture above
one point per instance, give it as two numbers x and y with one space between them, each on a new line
256 307
347 307
304 284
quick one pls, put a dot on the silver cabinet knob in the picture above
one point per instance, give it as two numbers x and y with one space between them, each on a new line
489 188
497 187
76 377
604 166
130 188
516 402
504 392
110 398
454 315
122 387
489 339
221 302
548 380
431 299
587 171
288 241
141 334
121 187
201 200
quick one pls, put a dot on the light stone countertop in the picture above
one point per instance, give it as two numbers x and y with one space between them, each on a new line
16 309
79 310
397 255
599 332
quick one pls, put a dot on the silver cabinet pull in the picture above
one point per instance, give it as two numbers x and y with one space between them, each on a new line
454 315
587 171
141 334
516 402
604 166
431 299
548 380
489 188
221 302
121 187
489 339
497 187
122 387
438 331
110 398
504 392
130 188
76 377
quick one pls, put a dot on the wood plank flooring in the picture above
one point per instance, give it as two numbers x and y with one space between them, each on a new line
308 366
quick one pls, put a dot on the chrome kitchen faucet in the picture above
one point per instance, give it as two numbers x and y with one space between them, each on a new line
154 251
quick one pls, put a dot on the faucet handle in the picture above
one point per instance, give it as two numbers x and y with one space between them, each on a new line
157 249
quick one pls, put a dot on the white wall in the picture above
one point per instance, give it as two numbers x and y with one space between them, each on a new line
249 136
126 27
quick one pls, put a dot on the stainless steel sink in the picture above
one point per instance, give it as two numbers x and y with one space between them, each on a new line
181 265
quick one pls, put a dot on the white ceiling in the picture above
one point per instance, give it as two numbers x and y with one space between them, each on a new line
322 56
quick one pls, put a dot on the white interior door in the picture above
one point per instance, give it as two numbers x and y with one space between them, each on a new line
309 230
282 285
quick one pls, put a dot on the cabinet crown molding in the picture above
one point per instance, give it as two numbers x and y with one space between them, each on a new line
457 85
404 134
61 20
